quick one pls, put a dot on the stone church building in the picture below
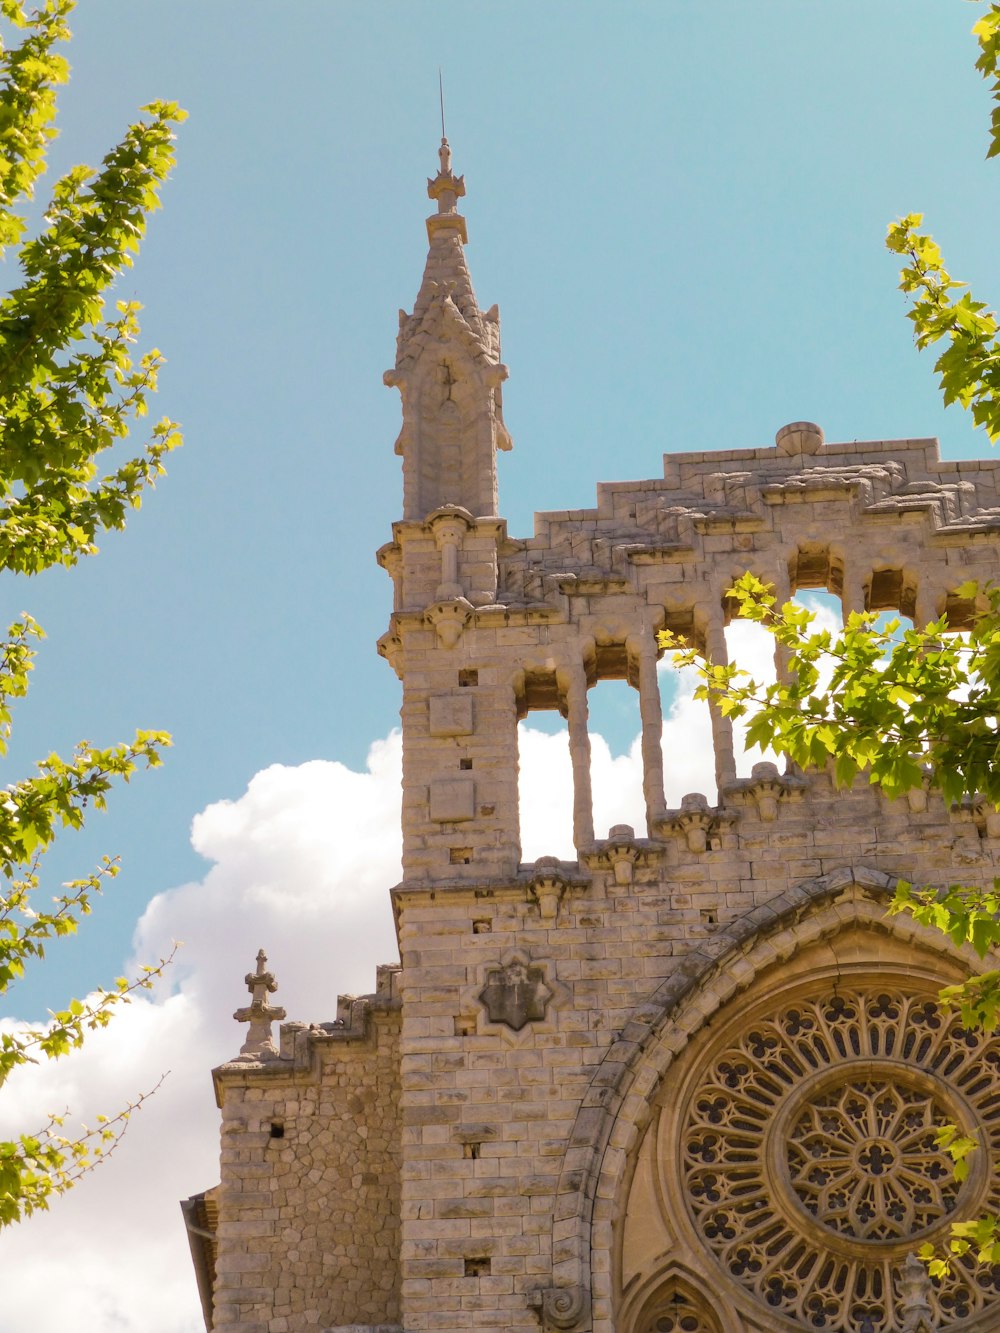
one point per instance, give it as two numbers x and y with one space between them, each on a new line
687 1082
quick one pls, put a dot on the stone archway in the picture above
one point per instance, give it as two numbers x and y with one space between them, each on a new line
792 1153
678 1304
646 1081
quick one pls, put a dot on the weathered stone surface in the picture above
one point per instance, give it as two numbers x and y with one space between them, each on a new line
513 1127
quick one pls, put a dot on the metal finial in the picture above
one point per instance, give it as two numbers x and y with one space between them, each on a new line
441 97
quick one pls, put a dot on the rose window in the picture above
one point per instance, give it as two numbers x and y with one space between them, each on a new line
862 1160
810 1163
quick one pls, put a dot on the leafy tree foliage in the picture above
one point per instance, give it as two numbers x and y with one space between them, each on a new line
70 389
909 708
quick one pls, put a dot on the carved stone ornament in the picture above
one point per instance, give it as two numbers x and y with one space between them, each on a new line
516 994
810 1167
449 619
679 1315
916 1290
259 1044
560 1307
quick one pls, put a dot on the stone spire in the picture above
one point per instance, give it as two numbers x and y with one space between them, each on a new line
449 373
259 1044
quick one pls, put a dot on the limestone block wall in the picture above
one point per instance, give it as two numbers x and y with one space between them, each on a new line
526 989
880 524
505 1217
308 1229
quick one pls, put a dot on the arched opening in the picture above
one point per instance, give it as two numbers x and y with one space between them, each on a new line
615 755
838 1056
816 580
545 771
677 1308
687 744
688 749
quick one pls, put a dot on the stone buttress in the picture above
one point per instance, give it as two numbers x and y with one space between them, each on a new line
689 1080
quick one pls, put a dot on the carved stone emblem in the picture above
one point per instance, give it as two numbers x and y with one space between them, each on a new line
516 994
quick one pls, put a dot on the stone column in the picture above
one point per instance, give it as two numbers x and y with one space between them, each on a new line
783 594
448 536
926 609
722 728
642 647
573 683
853 597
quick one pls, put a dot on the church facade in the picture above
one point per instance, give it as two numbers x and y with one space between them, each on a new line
689 1081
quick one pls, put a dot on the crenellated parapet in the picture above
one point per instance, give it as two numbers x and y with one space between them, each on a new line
537 622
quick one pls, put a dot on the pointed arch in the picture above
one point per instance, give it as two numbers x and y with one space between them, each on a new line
675 1303
618 1105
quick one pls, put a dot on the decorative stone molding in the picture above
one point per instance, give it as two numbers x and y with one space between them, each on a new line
987 818
768 788
916 1291
259 1044
622 852
390 646
799 437
720 967
549 884
515 994
449 527
560 1308
449 619
696 820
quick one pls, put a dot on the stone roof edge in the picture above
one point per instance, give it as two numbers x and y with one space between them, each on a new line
299 1042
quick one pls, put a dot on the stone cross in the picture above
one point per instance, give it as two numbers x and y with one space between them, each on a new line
259 1044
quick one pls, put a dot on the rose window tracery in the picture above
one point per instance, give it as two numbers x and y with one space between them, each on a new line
678 1315
809 1158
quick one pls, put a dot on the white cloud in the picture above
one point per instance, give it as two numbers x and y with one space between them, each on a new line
301 865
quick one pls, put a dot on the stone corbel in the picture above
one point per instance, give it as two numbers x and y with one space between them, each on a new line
987 818
622 853
549 884
559 1307
449 619
916 797
695 820
390 646
766 788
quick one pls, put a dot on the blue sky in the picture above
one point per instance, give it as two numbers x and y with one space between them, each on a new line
680 209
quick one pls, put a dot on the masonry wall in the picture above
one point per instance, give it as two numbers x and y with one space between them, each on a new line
450 1157
501 1126
485 1235
308 1232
